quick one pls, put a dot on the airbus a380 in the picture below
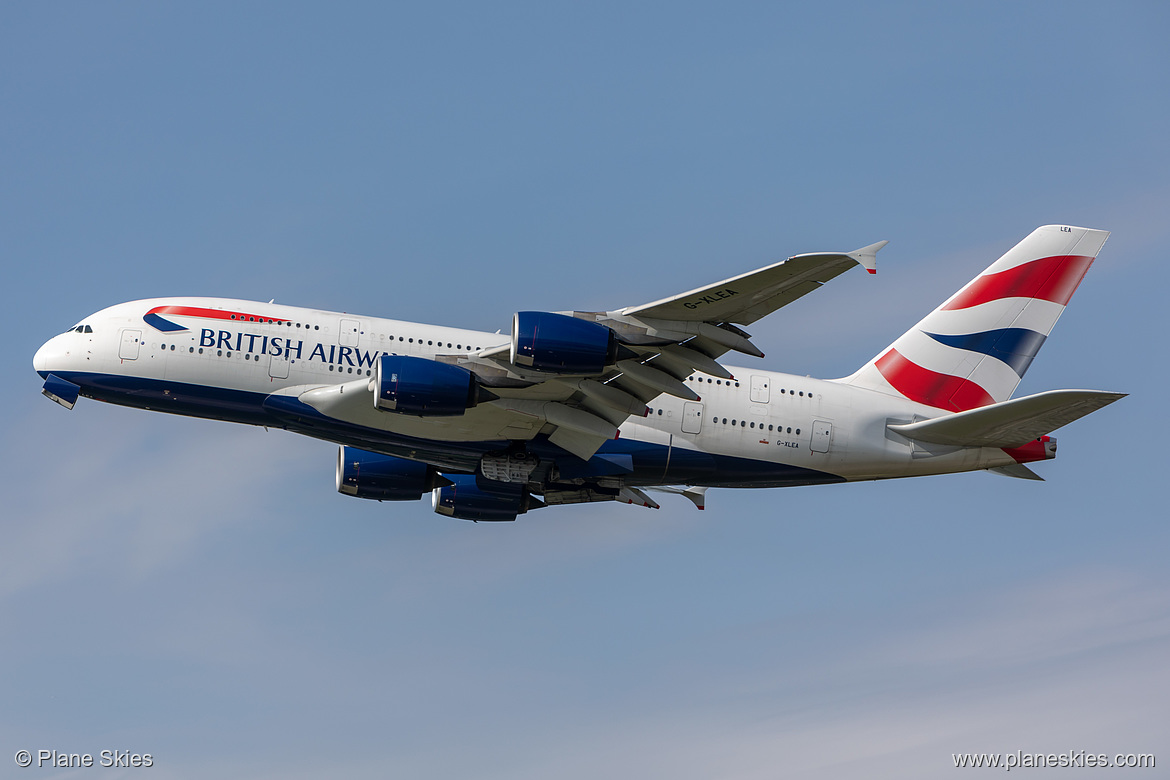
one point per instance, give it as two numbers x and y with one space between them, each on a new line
601 406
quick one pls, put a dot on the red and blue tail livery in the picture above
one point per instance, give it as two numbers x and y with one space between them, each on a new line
577 407
973 350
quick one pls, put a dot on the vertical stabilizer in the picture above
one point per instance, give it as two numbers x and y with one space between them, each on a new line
973 349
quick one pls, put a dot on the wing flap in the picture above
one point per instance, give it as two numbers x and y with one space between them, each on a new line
1009 423
583 445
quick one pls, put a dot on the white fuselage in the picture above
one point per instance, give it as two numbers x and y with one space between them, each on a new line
765 416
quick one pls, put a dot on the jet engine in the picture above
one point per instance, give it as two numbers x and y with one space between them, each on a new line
468 497
382 477
561 344
421 387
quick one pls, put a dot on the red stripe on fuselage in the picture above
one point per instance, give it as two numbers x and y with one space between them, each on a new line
1049 278
214 314
941 391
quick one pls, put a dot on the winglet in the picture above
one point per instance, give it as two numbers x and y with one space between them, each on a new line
867 256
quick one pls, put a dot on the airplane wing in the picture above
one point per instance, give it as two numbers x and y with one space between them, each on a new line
661 344
748 297
576 376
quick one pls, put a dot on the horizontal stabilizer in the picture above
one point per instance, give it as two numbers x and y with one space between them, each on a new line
1010 423
1017 470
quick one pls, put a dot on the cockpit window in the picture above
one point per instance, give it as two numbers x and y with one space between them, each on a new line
80 329
88 329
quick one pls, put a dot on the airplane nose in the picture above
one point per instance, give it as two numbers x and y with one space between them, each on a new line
46 356
40 360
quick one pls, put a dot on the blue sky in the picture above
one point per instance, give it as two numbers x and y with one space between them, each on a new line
200 592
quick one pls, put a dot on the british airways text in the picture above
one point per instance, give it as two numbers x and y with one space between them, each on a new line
278 346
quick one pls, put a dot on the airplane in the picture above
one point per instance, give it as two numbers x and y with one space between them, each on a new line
576 407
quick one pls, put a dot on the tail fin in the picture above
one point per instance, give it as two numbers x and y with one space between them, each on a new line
973 349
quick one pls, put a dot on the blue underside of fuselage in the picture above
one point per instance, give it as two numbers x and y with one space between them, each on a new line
641 463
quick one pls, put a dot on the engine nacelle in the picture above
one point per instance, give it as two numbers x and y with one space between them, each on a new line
421 387
469 498
560 344
382 477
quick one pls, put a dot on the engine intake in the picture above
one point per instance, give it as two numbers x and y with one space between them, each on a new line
560 344
471 498
383 477
425 388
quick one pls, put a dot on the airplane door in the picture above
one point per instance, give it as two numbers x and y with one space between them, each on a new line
759 393
822 434
278 367
347 334
692 420
131 341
